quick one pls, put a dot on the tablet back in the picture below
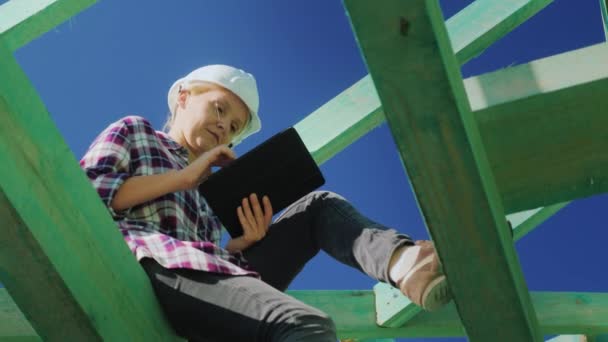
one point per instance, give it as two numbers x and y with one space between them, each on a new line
281 168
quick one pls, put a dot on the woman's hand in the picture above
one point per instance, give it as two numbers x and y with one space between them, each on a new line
198 170
255 221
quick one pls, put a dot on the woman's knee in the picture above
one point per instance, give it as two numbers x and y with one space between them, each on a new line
306 323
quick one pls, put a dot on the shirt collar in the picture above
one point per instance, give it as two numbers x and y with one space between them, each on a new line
171 144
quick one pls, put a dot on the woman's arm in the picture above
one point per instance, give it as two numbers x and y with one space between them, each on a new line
139 189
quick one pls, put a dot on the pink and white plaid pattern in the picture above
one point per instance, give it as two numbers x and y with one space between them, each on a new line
178 230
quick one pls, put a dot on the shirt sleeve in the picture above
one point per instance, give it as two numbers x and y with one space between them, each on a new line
106 162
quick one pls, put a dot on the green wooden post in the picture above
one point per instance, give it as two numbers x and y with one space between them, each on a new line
417 77
394 309
483 22
24 20
558 313
604 10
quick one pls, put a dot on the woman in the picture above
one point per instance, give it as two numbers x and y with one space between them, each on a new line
149 179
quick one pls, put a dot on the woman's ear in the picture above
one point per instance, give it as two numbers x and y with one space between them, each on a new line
181 98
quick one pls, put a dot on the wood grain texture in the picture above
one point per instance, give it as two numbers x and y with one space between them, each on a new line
408 54
483 22
59 235
21 21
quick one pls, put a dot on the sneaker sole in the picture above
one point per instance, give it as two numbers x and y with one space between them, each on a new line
436 294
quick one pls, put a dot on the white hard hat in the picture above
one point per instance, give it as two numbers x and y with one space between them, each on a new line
239 82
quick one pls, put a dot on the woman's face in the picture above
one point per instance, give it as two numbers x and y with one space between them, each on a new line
208 117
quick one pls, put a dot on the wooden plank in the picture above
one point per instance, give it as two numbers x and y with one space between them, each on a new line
483 22
72 258
21 21
543 127
394 309
356 111
418 80
579 338
13 325
526 221
569 338
558 313
521 112
604 10
341 121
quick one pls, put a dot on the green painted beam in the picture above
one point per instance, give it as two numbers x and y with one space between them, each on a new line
604 10
483 22
579 338
407 51
356 111
568 338
341 121
558 313
22 21
13 325
526 221
60 250
513 107
543 127
393 309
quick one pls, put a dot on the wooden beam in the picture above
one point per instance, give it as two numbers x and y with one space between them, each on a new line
13 325
522 112
356 111
393 309
22 21
483 22
558 313
417 76
526 221
71 257
579 338
543 127
341 121
569 338
604 10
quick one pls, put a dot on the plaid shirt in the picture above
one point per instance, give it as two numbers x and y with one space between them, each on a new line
178 230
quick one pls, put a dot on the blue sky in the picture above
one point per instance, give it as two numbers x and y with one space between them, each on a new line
119 58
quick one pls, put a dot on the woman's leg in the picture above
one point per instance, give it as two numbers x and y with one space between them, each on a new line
324 221
210 307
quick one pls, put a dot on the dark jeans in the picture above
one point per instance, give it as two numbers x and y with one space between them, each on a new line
204 306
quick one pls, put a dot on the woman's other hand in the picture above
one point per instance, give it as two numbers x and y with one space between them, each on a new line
198 170
254 220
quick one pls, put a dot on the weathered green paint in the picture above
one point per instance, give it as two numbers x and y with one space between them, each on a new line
543 127
417 76
13 325
21 21
393 309
604 10
356 111
59 234
558 313
526 221
568 338
483 22
579 338
517 177
341 121
552 101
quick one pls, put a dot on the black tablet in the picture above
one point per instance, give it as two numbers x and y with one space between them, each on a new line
280 168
